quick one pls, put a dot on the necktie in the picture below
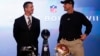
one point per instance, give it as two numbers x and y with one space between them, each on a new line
29 23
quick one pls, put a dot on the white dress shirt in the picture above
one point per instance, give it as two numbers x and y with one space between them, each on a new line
26 18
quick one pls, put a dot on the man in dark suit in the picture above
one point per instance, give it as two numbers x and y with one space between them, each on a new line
26 29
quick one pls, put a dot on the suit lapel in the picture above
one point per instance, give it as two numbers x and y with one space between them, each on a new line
24 22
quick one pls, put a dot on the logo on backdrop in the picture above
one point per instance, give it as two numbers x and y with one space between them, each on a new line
53 8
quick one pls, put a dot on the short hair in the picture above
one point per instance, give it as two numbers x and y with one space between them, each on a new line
26 3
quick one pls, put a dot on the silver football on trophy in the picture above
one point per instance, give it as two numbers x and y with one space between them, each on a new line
45 34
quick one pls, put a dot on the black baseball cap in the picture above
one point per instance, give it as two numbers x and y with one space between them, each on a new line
67 1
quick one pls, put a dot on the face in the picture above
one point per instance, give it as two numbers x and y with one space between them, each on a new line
29 9
67 6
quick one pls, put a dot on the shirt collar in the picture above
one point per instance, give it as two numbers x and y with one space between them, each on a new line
26 18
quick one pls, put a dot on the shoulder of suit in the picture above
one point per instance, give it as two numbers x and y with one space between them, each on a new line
19 18
36 19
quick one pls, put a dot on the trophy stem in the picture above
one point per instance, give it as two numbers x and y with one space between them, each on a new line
45 48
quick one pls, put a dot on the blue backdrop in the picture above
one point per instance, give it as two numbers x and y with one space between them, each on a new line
49 13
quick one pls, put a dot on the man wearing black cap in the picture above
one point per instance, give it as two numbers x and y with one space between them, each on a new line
70 29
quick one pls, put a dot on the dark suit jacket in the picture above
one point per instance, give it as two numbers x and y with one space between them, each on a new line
23 35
